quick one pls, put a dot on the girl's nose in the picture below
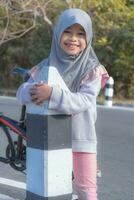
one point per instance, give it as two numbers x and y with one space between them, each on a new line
73 37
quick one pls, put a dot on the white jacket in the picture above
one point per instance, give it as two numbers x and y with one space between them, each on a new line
81 106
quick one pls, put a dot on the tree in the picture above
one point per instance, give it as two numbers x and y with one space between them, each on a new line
31 21
18 17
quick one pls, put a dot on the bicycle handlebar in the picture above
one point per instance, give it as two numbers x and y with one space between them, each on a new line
24 73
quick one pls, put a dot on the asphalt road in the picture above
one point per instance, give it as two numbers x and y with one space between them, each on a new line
115 131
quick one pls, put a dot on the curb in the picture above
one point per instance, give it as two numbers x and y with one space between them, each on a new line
5 197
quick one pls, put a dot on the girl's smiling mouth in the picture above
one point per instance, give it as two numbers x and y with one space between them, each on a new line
73 40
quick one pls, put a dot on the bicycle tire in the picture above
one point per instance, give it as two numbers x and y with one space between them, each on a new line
10 143
17 164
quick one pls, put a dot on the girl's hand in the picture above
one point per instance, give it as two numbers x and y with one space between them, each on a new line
40 92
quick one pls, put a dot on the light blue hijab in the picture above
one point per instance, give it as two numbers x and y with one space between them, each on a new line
73 68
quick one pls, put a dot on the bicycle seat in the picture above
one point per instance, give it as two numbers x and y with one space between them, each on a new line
24 73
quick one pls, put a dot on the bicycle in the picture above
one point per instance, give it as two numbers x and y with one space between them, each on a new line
16 150
15 153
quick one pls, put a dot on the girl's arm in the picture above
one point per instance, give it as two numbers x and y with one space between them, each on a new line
33 92
72 103
23 94
61 100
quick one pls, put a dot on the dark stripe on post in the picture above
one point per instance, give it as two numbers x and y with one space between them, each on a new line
37 131
109 86
32 196
108 98
45 132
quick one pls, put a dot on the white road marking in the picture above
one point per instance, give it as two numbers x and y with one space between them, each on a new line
13 183
5 197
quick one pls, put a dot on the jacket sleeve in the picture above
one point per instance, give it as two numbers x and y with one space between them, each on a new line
22 94
72 103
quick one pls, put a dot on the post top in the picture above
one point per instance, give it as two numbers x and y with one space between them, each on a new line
54 78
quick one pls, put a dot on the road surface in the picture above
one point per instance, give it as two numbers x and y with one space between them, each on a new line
115 132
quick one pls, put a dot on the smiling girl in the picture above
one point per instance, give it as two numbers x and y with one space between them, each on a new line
72 54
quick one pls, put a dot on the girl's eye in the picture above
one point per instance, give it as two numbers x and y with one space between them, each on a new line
81 33
67 31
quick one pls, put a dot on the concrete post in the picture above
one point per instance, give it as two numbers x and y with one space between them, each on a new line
49 154
109 92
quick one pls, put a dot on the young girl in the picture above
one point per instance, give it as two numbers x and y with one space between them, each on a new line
72 54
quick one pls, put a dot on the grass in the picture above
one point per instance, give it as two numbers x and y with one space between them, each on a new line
117 101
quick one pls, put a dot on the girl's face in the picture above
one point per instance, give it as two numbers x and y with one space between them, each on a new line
73 40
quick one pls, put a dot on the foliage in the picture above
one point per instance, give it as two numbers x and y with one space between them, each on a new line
113 26
114 43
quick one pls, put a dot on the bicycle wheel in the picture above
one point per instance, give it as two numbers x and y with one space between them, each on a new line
6 139
18 164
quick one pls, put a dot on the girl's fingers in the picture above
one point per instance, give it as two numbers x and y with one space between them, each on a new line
38 102
40 92
32 88
36 99
32 91
33 97
39 84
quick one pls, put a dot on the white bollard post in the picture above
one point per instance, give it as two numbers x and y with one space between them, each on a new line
49 153
109 92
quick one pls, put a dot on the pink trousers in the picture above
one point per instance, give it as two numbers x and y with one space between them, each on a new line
84 168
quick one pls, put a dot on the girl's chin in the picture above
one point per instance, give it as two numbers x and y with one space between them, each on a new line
72 53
